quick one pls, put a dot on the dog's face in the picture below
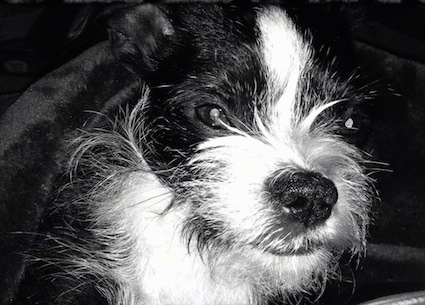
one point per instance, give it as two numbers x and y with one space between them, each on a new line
251 134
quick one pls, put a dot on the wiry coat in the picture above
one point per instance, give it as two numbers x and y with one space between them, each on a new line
182 196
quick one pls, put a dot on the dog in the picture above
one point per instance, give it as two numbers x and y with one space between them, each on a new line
232 178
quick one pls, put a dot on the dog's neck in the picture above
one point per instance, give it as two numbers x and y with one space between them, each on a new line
161 268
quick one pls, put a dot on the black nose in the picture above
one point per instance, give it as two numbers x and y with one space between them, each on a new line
308 196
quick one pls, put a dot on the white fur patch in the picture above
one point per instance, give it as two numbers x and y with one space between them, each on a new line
163 268
285 56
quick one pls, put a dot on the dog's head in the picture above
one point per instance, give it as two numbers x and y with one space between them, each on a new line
252 129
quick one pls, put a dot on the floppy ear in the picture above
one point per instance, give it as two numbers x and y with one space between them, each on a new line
140 37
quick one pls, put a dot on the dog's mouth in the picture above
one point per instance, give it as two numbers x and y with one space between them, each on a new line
294 251
295 242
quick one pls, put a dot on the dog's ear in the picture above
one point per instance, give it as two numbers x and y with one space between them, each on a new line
140 36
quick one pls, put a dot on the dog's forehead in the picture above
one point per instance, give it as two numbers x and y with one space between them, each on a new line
285 55
256 49
283 48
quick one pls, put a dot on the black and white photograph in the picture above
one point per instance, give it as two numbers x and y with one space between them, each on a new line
212 153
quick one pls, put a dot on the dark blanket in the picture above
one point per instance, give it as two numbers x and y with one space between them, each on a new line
33 129
32 133
396 256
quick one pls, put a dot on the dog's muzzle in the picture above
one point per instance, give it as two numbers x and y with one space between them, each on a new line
304 197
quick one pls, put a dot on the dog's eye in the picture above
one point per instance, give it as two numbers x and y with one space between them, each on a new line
352 125
212 115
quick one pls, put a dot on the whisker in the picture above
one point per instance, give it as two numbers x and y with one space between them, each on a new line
167 195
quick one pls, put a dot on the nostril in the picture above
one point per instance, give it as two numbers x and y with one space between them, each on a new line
298 204
300 209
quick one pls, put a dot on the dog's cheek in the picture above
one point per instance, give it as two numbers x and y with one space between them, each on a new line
172 137
229 179
168 147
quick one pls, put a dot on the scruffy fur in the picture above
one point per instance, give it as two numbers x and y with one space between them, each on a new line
196 221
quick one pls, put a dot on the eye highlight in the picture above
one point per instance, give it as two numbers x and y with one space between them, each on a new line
212 115
352 125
